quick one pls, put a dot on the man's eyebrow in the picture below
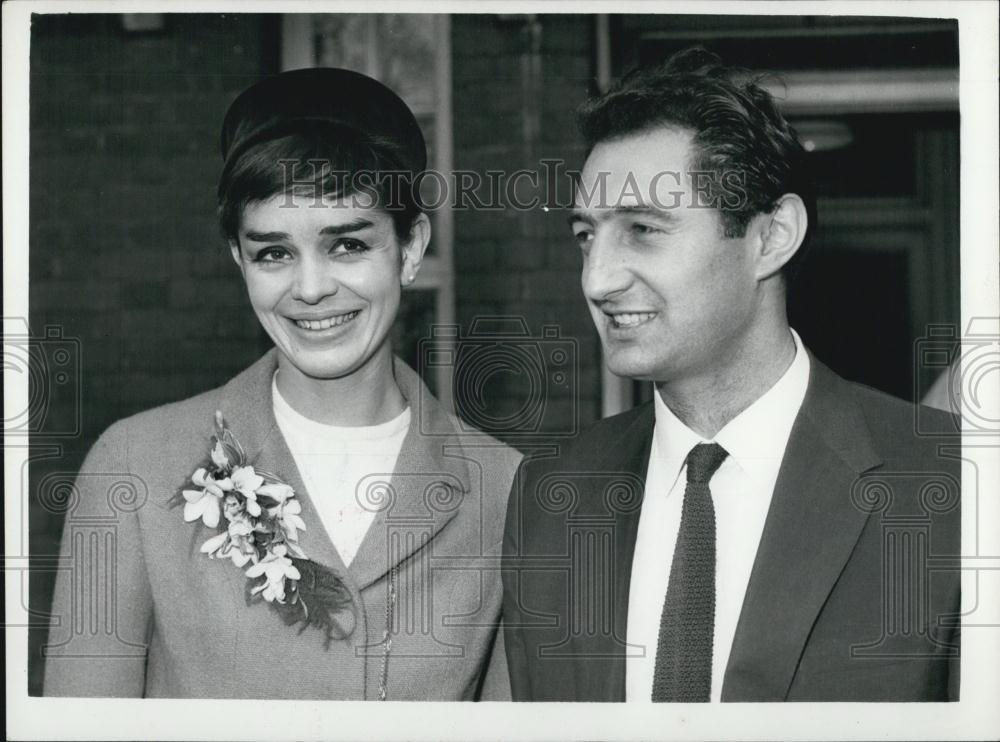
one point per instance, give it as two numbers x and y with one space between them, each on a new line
335 229
646 210
637 209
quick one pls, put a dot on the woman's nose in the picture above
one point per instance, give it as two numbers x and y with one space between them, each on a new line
313 282
605 272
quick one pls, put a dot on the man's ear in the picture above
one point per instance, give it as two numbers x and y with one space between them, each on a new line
781 234
414 249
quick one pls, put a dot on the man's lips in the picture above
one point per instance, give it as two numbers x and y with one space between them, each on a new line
627 320
325 322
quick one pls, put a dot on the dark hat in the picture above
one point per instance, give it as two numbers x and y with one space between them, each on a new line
280 104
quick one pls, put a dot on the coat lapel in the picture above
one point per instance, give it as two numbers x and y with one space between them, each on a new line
811 528
423 491
412 510
248 409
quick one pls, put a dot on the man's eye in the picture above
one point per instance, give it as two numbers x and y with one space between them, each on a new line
583 237
349 247
642 229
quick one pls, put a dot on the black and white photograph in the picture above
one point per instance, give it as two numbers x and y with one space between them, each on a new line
628 372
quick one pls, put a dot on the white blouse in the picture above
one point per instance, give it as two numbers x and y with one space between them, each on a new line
333 460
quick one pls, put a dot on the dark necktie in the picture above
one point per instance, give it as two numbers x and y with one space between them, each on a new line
683 670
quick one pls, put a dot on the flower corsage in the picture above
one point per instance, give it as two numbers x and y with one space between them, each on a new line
259 519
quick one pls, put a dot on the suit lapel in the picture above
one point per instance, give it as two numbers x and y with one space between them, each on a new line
811 528
424 489
631 457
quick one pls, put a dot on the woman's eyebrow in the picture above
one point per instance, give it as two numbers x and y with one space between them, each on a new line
266 236
352 226
334 229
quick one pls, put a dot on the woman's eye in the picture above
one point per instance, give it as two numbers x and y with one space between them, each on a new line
272 255
349 247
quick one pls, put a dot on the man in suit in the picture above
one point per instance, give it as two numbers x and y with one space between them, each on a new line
763 530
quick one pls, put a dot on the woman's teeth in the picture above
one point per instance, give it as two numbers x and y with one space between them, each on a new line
632 319
326 324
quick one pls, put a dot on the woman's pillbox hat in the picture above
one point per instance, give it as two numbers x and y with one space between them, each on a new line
279 105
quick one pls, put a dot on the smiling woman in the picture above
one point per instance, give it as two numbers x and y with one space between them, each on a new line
325 284
301 551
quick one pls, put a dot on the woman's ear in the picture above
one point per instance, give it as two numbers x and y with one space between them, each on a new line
781 234
413 250
234 250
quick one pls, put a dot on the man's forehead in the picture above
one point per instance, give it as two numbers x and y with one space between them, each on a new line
628 190
643 169
657 147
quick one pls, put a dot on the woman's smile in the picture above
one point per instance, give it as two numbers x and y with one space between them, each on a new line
326 323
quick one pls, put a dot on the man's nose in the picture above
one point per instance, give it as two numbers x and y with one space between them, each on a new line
314 281
605 272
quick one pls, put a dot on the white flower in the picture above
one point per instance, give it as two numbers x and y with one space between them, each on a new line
275 568
216 486
241 549
246 481
212 546
235 543
287 514
202 504
276 491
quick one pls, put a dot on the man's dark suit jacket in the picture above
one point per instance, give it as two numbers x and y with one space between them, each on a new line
854 593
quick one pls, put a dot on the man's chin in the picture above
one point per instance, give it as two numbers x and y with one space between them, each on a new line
620 364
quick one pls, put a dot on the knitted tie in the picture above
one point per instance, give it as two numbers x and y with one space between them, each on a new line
683 670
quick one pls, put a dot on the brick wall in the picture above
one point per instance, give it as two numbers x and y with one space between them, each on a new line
125 254
517 83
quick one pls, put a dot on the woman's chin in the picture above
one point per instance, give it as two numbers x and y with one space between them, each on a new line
325 365
323 369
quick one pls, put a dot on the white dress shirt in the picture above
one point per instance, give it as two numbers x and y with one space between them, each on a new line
333 460
741 492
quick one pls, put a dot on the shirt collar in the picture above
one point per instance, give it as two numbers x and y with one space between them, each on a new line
755 439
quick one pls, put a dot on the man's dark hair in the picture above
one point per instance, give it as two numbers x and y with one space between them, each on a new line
737 130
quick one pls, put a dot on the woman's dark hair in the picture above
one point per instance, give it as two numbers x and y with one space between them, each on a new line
738 134
318 159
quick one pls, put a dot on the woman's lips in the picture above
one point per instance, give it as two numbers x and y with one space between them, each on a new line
327 322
